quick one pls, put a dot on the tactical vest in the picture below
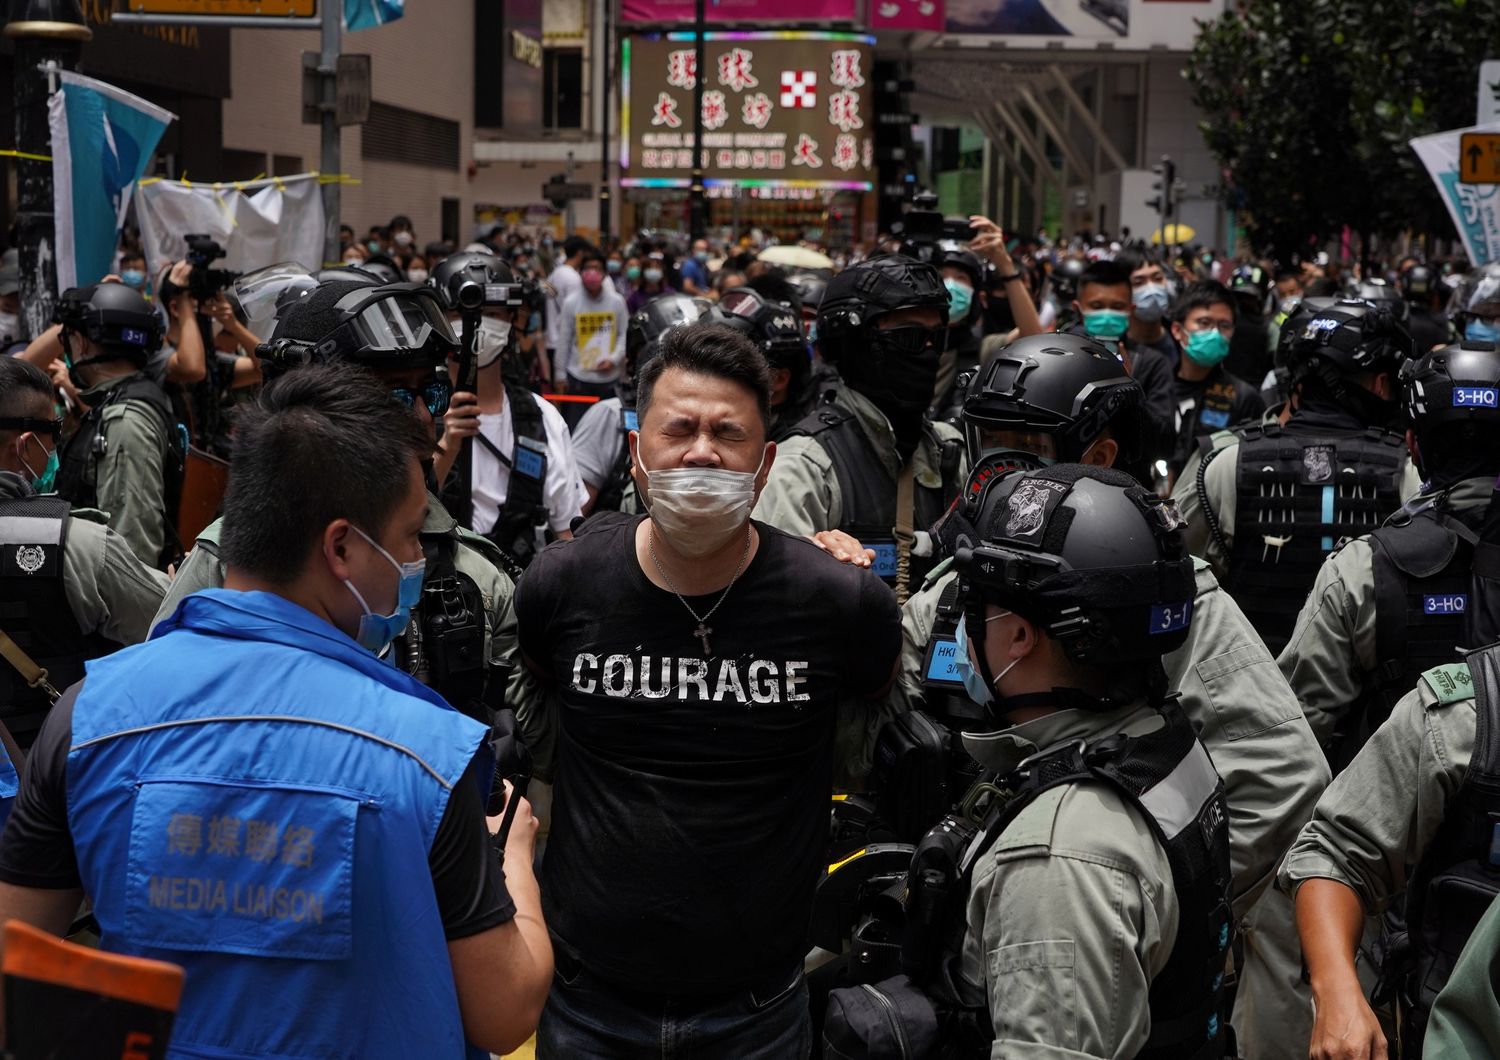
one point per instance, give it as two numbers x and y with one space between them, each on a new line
868 492
1421 566
612 495
82 450
522 527
34 610
1298 494
1459 874
270 835
1168 776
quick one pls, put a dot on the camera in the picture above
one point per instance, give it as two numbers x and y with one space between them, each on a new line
923 227
206 281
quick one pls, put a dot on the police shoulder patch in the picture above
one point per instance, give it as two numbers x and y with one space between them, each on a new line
1450 682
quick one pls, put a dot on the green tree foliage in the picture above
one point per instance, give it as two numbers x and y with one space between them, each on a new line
1309 105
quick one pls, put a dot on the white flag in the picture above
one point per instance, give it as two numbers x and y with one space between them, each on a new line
1475 208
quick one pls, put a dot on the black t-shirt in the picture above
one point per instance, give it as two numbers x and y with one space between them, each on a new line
690 806
36 849
1150 368
1211 404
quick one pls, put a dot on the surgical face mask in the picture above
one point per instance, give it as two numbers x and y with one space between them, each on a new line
1207 347
352 259
374 246
403 239
133 278
593 279
653 276
701 255
1480 330
633 273
494 337
417 275
1150 301
613 267
960 298
45 482
377 631
963 662
700 509
1106 323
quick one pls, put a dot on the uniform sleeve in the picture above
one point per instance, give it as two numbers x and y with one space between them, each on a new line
110 591
1465 1018
466 870
563 492
918 615
801 494
129 479
36 849
1218 484
202 569
1379 815
597 442
1252 725
1068 943
1333 643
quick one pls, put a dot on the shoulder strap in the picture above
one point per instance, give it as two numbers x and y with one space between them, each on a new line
1452 682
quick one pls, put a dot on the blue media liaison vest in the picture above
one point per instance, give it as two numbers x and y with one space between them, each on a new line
254 796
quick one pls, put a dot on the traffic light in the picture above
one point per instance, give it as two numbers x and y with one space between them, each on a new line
1166 186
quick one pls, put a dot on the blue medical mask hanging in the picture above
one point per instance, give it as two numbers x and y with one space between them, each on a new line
377 631
1480 330
46 481
974 685
960 298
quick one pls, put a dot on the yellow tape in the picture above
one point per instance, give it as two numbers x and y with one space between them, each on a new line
27 157
840 864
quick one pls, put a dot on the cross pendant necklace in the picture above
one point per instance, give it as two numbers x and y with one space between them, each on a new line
704 630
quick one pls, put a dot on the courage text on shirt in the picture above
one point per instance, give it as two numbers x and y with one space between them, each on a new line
627 676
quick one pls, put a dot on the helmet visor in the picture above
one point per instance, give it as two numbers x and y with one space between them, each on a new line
401 321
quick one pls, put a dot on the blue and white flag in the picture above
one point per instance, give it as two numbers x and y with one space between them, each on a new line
1475 208
362 14
102 142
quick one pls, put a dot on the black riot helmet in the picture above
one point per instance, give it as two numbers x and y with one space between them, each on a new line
1418 284
774 327
1064 277
348 274
383 268
117 319
1096 561
1477 295
1451 397
1378 292
953 254
1067 386
1296 317
1332 345
648 324
399 325
810 287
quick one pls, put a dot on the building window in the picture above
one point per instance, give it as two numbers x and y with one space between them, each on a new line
395 134
562 89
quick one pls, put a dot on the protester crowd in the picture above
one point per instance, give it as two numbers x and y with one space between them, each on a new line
965 645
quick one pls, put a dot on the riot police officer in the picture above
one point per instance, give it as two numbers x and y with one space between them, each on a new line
70 587
1087 738
866 460
599 439
461 639
127 456
1392 604
1428 324
776 329
1266 509
1475 305
1064 397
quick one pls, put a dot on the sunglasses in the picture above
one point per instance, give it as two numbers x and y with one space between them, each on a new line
912 339
434 395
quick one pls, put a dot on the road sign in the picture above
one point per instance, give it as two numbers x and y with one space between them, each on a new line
563 190
352 93
1489 91
238 8
1479 158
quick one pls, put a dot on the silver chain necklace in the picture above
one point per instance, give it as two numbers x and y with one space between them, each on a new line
704 630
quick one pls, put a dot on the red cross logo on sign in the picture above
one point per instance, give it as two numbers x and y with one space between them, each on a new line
799 88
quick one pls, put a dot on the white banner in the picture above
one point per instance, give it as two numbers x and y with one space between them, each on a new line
1475 208
257 222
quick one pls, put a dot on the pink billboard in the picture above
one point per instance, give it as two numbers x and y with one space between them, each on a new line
679 13
906 14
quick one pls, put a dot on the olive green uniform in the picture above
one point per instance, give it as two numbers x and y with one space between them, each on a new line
127 475
1073 911
1331 655
1273 772
1465 1020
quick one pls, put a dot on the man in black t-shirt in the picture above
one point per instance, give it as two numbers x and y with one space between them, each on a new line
696 661
1209 398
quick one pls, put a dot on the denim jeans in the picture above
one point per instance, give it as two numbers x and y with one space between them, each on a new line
588 1018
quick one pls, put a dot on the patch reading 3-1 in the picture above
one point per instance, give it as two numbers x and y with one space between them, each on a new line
1169 618
226 868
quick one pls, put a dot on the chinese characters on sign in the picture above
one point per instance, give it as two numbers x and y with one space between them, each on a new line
789 107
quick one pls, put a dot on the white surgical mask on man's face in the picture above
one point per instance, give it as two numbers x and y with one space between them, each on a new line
494 336
699 509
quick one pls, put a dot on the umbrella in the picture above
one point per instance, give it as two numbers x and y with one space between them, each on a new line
796 257
1175 234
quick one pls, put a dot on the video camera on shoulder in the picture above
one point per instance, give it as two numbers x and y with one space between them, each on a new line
923 228
206 281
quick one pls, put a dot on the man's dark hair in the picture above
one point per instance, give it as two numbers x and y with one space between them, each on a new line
321 443
23 389
591 255
1200 295
712 350
1131 260
1103 274
575 245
